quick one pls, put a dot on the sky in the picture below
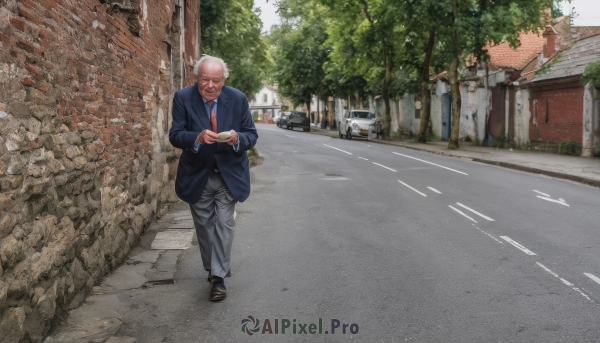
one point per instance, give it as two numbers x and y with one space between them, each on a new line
269 16
589 12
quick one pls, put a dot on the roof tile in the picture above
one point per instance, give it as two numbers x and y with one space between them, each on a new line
503 56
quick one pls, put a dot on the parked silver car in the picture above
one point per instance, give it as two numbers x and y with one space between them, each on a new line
356 123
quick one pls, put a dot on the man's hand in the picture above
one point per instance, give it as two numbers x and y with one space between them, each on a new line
233 139
207 137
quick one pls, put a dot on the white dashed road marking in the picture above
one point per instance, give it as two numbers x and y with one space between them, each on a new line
492 237
477 213
572 286
388 168
546 269
437 165
518 246
423 194
362 158
435 190
461 213
337 149
593 277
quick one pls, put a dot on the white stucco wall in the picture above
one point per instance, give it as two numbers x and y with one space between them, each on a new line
596 123
409 125
482 98
467 109
340 110
436 107
395 114
272 98
522 116
588 121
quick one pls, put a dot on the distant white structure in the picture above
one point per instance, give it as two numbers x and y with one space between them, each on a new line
266 103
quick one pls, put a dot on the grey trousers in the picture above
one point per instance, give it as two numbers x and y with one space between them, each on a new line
215 226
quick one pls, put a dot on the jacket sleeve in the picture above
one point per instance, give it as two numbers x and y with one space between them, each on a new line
179 136
247 134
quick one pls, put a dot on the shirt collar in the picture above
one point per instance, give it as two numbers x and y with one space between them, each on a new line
206 101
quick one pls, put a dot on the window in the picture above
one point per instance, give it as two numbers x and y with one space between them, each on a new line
363 115
265 98
418 106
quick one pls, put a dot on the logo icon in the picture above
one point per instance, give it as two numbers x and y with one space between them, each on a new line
252 321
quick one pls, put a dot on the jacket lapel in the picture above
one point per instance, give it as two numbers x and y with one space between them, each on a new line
199 108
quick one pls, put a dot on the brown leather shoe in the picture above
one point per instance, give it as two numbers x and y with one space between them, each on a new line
218 291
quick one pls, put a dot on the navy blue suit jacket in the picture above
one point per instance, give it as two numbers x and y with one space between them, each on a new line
189 119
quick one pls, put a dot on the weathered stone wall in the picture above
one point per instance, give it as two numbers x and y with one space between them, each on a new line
85 92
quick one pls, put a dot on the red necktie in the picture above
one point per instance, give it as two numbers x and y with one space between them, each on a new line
213 118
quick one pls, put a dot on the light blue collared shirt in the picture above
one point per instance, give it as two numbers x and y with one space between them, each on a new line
207 106
197 144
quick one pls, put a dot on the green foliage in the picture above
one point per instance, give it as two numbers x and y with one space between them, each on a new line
254 158
592 74
252 152
433 138
355 48
569 148
299 50
556 10
405 81
500 142
366 39
231 29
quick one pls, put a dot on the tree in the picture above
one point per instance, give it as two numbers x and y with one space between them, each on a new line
477 23
591 74
231 29
424 20
299 51
366 40
341 85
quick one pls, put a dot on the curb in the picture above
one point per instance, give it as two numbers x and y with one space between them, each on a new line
580 179
508 165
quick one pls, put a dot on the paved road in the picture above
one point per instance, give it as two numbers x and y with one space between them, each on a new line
395 245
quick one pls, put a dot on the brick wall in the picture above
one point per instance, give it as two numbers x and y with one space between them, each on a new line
85 163
556 112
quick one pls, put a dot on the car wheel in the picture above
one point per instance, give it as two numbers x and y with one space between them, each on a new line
349 135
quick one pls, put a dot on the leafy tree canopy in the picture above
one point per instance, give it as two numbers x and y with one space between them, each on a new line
231 30
299 51
592 74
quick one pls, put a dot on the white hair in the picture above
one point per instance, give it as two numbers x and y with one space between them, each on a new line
209 58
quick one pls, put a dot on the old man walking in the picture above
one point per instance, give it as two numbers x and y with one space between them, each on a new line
213 173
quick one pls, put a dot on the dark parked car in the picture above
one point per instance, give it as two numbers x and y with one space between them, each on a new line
283 120
298 119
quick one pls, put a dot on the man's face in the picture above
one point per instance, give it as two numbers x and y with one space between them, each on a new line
210 80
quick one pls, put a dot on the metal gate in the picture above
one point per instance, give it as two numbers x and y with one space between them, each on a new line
446 116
